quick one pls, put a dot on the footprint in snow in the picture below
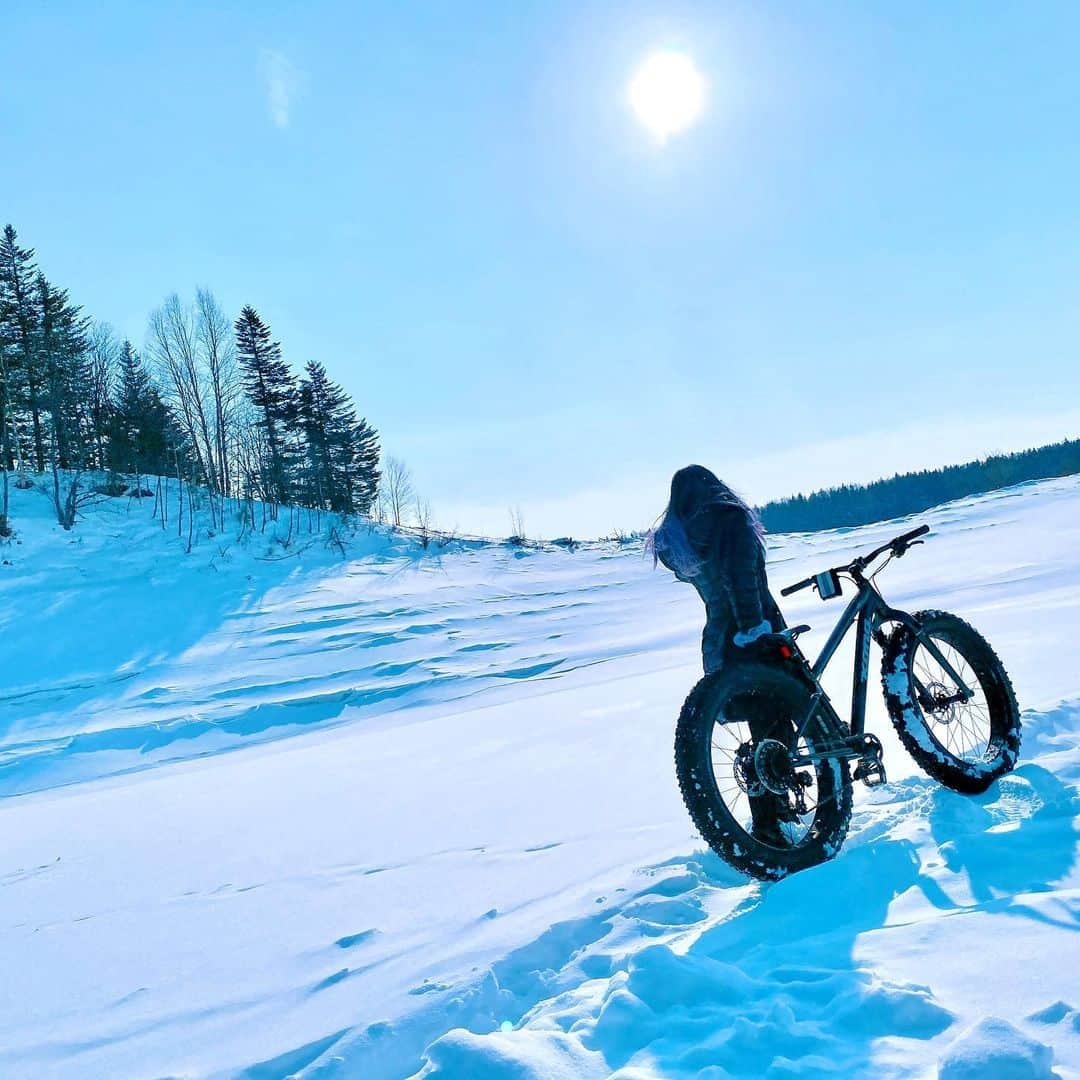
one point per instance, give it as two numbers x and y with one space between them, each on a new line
657 915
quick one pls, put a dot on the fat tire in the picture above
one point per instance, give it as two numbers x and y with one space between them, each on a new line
697 781
968 778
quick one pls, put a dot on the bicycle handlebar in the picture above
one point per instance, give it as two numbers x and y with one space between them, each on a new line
805 583
898 545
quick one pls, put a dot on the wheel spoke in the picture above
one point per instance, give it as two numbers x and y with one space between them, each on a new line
729 742
964 728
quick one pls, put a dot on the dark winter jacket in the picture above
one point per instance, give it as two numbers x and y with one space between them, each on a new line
730 578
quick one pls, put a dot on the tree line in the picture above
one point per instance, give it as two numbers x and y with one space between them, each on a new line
209 401
911 493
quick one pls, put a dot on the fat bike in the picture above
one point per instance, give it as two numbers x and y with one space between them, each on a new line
766 763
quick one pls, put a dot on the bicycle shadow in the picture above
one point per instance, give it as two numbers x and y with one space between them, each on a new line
1016 839
784 985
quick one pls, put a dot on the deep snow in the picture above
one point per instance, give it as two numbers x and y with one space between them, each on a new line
395 815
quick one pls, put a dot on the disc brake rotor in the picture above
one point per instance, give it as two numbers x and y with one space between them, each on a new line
944 704
745 770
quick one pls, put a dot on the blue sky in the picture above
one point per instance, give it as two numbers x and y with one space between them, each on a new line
864 258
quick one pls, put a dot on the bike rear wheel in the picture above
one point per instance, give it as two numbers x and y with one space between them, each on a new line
732 749
966 745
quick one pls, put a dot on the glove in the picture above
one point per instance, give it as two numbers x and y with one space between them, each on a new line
745 638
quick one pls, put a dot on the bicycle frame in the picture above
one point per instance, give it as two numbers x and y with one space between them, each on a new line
868 611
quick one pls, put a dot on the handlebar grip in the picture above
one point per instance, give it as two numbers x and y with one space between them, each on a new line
805 583
922 530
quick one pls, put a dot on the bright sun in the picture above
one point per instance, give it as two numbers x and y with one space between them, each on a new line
667 93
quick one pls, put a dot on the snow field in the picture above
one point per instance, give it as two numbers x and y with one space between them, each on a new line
392 816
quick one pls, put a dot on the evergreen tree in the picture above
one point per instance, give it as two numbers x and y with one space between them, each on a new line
61 352
18 331
320 403
141 429
64 366
5 440
366 474
342 453
272 389
22 318
127 419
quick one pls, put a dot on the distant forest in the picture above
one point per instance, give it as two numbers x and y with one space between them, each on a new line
911 493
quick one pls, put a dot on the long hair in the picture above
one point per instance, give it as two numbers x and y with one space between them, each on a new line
694 491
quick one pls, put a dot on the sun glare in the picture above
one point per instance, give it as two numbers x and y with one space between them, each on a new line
668 93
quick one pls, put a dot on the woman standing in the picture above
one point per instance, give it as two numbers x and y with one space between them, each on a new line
710 538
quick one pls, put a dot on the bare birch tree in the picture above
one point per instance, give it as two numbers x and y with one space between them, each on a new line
398 485
215 336
103 362
174 349
517 525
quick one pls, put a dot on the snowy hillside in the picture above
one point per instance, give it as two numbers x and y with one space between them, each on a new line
392 816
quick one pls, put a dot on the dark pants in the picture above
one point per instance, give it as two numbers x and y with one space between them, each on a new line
717 652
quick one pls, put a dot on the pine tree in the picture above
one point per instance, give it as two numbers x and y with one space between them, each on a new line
18 329
127 419
64 365
326 416
272 390
20 313
366 474
342 453
62 353
14 263
318 399
141 429
6 462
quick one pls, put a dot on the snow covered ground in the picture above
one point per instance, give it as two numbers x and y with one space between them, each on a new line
392 816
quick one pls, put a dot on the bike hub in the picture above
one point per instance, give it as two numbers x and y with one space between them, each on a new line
943 702
772 763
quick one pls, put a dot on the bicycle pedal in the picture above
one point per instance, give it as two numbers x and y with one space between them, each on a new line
871 772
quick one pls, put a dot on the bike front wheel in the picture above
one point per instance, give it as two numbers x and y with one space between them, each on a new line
964 744
733 750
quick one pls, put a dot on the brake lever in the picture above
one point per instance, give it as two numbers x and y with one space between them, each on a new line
903 549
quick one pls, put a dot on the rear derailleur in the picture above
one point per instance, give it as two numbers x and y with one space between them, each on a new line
765 768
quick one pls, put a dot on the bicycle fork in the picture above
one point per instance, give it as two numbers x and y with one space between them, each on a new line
854 743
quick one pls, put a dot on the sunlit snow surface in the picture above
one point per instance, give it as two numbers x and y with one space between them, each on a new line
391 816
